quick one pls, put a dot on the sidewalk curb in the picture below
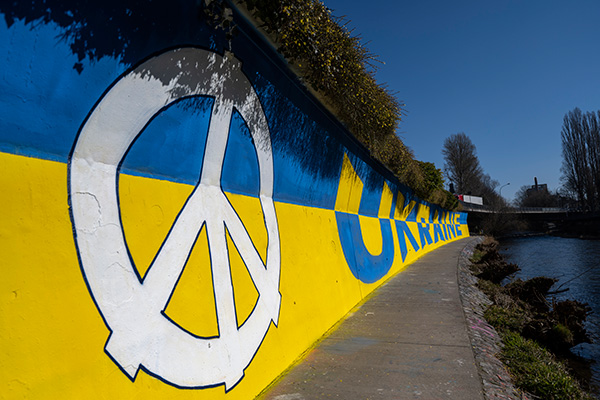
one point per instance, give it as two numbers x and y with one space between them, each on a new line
485 341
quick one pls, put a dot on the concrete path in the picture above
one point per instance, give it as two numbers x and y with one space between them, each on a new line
408 341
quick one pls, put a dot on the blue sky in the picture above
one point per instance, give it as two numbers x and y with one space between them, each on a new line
504 72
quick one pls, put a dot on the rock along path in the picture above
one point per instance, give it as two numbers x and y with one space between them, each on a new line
412 339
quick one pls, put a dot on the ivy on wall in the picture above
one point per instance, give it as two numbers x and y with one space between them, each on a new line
342 71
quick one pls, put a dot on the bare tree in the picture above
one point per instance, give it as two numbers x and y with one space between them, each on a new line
461 163
527 196
580 137
487 189
593 146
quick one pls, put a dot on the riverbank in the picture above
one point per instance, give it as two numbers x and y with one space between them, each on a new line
507 321
585 227
485 340
574 262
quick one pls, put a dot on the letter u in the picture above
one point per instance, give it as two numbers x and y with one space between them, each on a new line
365 266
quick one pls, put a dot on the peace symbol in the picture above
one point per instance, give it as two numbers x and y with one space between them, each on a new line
141 335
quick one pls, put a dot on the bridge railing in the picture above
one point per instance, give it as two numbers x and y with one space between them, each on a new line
512 210
525 210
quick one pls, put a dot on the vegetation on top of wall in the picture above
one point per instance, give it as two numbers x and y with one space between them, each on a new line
341 70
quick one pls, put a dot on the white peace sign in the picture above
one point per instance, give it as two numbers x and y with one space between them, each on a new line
133 310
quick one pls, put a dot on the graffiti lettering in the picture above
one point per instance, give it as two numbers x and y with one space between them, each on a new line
370 267
404 231
365 266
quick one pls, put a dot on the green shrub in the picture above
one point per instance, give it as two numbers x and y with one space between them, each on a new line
476 257
537 371
502 319
342 70
563 333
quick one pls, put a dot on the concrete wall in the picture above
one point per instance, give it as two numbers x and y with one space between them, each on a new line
181 219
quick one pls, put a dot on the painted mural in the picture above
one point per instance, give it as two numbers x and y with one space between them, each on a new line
181 217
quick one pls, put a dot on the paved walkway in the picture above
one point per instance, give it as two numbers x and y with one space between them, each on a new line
408 341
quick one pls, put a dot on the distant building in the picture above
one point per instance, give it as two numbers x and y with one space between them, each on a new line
537 187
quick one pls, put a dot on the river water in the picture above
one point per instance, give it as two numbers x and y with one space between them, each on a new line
576 263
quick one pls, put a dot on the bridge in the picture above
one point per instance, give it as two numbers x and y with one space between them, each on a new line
469 207
542 219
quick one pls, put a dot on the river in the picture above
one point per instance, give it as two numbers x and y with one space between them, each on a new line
576 263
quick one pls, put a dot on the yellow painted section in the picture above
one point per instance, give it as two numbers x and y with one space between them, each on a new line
250 211
244 291
52 335
402 212
349 190
399 206
423 212
146 217
192 304
387 198
372 234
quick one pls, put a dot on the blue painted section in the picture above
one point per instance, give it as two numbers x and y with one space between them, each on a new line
412 215
365 266
458 230
43 100
240 172
395 190
438 233
172 145
450 230
54 80
403 234
462 219
424 228
60 56
307 154
371 200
